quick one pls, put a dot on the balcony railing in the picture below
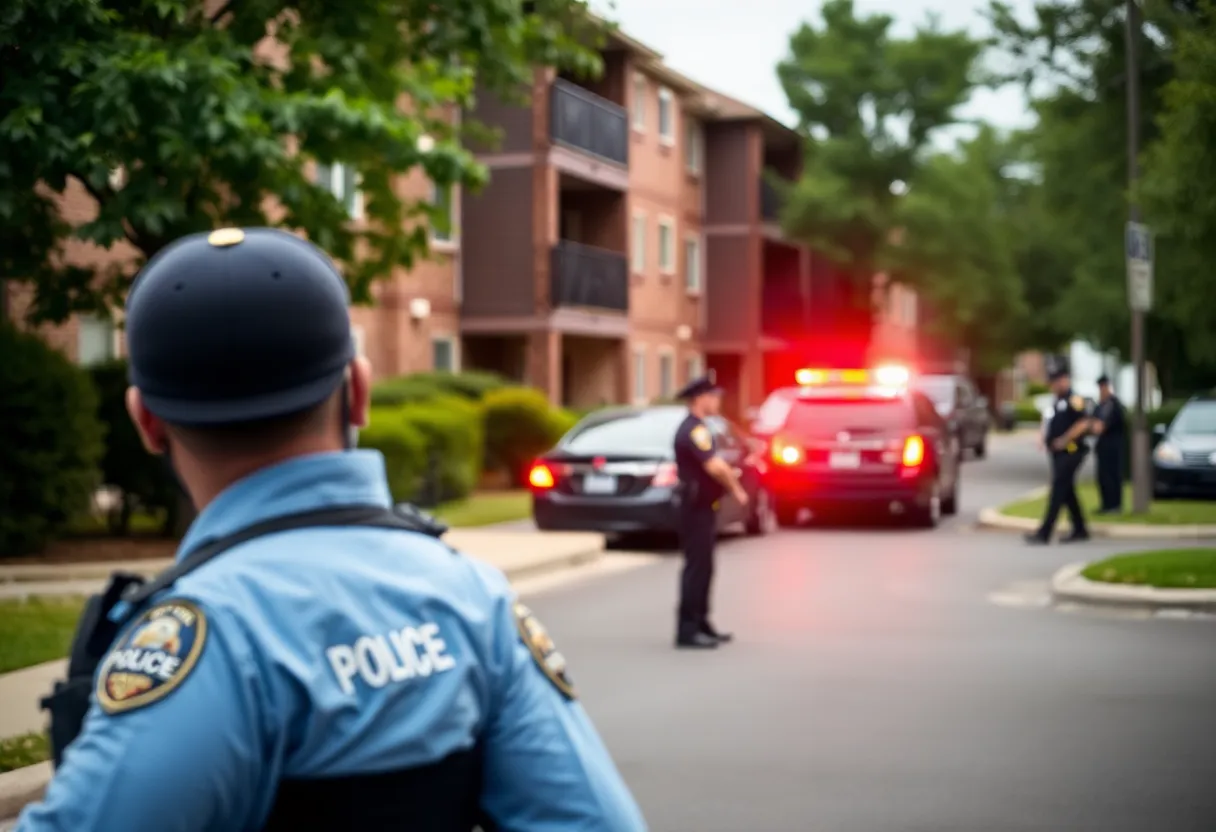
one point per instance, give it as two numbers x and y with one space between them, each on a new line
585 276
771 202
581 119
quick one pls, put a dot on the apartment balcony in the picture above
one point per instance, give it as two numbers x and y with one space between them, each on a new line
588 277
590 136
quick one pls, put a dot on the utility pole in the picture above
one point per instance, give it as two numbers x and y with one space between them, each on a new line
1137 254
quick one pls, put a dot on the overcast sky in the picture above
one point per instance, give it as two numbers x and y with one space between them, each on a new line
734 45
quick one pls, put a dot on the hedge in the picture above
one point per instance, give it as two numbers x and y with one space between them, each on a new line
473 385
143 479
403 447
405 390
51 443
452 428
520 425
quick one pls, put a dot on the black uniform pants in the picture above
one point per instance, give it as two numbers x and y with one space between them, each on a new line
1064 467
698 534
1109 457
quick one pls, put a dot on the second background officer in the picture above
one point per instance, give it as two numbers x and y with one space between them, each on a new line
704 478
1070 421
1110 426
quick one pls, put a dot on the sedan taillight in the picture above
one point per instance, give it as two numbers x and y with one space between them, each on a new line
541 477
666 476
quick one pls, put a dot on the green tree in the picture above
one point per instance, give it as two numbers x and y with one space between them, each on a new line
869 104
213 123
960 222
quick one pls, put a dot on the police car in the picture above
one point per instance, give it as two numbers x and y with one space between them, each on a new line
858 438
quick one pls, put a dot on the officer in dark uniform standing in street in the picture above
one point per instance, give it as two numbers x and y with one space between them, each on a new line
316 658
1070 422
1110 427
704 478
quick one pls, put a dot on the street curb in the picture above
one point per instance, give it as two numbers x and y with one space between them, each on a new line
992 518
21 787
27 785
1068 584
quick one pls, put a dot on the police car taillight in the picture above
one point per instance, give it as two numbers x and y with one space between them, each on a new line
541 477
914 454
784 452
666 476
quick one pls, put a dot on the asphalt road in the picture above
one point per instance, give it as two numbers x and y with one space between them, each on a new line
876 685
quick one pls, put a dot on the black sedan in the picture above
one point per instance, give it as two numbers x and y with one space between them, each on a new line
958 402
615 473
1184 461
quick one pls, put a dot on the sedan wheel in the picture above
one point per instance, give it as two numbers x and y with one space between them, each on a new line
762 519
927 517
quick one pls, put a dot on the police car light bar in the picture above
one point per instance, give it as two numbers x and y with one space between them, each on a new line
888 375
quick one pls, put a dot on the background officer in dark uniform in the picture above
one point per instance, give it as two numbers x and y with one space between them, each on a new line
704 478
324 677
1070 422
1110 425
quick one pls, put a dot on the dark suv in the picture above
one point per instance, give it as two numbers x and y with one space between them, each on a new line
857 438
964 409
1184 461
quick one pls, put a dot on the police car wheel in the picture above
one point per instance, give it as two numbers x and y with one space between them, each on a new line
787 515
929 515
950 502
981 450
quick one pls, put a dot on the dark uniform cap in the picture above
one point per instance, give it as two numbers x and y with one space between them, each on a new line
1104 379
699 386
237 325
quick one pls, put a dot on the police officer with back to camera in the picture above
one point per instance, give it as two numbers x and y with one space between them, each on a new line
316 659
1070 422
704 478
1110 426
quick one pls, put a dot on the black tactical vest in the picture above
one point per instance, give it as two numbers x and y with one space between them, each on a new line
440 797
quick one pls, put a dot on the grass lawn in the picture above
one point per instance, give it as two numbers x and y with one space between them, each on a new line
1165 569
486 508
36 630
24 750
1160 512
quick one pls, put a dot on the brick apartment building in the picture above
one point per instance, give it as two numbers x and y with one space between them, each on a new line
627 239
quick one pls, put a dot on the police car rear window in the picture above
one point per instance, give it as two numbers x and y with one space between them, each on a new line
825 416
648 432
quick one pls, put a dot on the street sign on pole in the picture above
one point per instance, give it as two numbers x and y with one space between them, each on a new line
1139 248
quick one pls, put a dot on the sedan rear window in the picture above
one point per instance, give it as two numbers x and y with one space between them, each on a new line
648 432
826 417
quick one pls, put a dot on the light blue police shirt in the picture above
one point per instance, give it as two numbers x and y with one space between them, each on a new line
326 652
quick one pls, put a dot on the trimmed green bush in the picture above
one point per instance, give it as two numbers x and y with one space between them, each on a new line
403 447
1027 412
50 445
520 425
1036 388
452 428
143 479
405 390
472 385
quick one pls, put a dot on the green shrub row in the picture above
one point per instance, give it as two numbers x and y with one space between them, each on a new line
439 432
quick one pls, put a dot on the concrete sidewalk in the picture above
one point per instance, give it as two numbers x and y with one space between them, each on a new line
519 553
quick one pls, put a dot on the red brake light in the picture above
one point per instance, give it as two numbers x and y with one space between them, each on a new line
786 453
541 477
666 476
914 452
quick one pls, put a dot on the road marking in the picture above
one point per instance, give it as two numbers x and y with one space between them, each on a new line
610 563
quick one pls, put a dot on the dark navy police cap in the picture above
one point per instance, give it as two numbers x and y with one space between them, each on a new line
699 386
237 325
1058 372
1104 379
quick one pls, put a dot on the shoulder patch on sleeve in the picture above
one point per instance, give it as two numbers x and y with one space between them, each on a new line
701 438
153 657
544 652
1077 402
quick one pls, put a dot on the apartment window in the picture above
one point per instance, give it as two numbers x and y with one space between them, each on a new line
639 102
692 264
443 355
639 376
638 250
96 340
441 198
667 245
343 182
694 142
694 367
667 116
667 371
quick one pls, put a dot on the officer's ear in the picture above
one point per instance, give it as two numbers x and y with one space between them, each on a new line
359 388
150 428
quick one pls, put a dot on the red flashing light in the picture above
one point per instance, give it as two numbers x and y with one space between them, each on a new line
786 453
540 477
887 375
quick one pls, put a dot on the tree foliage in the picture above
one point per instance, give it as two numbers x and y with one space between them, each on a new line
212 122
868 104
